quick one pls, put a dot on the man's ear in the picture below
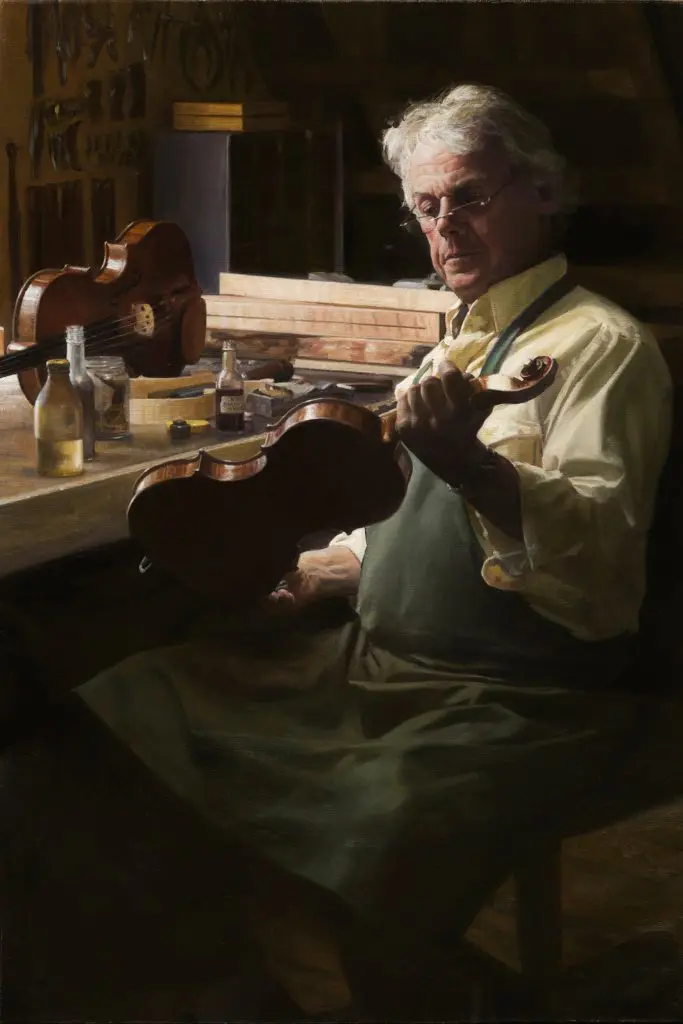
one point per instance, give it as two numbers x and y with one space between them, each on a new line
549 200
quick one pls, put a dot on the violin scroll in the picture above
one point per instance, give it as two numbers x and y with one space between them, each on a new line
497 389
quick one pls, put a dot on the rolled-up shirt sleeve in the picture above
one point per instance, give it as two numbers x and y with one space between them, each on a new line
354 541
587 506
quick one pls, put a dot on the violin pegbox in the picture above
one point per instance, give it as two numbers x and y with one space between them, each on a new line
143 315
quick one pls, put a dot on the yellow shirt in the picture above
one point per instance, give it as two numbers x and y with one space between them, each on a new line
588 452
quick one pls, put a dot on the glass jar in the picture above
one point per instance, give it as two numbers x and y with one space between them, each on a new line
112 397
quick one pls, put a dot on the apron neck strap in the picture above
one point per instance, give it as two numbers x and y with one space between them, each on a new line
496 356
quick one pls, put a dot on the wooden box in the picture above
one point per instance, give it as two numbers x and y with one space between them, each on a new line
150 411
230 117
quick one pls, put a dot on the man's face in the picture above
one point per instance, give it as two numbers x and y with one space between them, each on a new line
475 247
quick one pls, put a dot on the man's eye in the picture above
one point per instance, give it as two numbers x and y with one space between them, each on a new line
465 198
428 209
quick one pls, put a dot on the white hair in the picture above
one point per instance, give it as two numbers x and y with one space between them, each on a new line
464 119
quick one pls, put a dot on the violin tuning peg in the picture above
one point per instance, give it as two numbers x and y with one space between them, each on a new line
144 319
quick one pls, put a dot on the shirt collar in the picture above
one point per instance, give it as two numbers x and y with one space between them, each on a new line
498 307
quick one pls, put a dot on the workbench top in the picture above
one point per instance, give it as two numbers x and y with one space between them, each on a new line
43 519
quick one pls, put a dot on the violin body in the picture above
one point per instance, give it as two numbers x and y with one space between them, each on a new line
149 263
327 464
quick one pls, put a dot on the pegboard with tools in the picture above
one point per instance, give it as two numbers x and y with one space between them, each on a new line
90 83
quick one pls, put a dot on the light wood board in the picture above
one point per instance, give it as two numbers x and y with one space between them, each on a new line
335 293
224 312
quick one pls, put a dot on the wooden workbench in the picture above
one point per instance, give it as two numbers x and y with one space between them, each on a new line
66 561
42 519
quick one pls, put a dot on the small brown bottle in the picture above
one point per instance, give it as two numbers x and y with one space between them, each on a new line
229 393
58 424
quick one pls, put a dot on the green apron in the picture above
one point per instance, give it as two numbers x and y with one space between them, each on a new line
422 593
399 761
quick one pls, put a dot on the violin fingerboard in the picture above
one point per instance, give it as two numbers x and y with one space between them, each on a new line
381 407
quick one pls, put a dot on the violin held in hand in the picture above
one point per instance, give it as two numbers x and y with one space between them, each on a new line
231 530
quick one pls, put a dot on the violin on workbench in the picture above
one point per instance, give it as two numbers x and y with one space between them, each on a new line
232 530
143 303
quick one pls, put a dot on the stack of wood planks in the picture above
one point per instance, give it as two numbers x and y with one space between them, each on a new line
320 324
230 117
326 321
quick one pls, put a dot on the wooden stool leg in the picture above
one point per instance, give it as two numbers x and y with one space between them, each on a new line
538 884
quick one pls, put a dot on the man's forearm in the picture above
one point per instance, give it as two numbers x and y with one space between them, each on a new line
334 571
490 484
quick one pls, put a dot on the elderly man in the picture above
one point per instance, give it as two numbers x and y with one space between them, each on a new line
398 761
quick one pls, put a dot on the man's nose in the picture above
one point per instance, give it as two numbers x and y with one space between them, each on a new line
448 222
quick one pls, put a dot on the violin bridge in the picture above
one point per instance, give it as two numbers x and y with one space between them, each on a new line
144 319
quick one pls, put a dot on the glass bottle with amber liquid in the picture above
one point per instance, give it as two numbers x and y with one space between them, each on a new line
58 424
83 382
230 400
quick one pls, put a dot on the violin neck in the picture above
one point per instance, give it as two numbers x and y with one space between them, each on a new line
387 418
54 347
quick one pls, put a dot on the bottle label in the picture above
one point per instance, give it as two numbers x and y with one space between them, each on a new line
232 404
60 458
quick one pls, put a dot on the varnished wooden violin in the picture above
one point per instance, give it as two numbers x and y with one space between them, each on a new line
231 530
142 303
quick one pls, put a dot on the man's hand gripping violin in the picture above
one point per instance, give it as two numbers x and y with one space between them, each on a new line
437 420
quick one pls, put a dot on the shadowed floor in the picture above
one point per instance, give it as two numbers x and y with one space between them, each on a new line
176 953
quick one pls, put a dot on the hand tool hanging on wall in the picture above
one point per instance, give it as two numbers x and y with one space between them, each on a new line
138 90
242 76
134 22
60 43
72 223
71 146
55 147
63 149
161 30
34 222
63 110
71 30
145 189
13 220
100 34
117 93
127 156
103 207
93 99
201 54
135 148
98 149
138 20
44 227
114 147
36 138
52 226
34 46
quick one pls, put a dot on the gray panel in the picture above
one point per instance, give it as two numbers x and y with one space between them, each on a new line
192 189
